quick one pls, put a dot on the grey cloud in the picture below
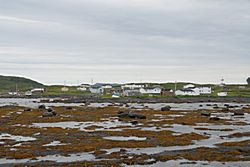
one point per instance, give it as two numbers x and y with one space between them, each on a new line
171 40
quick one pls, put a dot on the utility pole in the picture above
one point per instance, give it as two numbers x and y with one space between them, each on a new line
175 86
92 81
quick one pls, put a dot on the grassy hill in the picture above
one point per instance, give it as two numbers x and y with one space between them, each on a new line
9 83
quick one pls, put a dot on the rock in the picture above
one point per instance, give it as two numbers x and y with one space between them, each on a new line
204 113
188 163
27 109
137 116
42 107
214 119
123 115
140 116
120 112
134 122
48 114
123 150
166 108
50 110
131 115
225 109
239 112
230 106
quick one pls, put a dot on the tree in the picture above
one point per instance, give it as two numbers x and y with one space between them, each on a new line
248 80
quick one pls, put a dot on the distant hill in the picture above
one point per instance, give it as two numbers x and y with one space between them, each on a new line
9 83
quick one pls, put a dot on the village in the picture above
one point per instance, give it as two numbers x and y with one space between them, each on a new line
134 90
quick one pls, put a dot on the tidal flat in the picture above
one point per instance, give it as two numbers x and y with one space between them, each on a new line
93 135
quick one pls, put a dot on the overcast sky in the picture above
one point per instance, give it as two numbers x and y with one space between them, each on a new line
53 41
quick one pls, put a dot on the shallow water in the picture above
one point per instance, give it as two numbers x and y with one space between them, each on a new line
34 103
6 136
54 158
54 143
187 163
122 138
105 125
215 136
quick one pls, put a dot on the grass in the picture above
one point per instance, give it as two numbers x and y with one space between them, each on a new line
9 83
57 90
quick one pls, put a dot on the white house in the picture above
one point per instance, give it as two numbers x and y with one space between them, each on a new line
115 95
28 93
188 86
186 92
83 87
194 91
222 94
131 92
133 86
96 89
203 90
154 90
64 89
13 93
38 90
106 86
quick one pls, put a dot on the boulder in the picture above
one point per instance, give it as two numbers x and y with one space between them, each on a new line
120 112
239 112
68 108
204 113
48 114
214 118
50 110
140 116
132 115
134 122
166 108
136 116
225 109
42 107
122 115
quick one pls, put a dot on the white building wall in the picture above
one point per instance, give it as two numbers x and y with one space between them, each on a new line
132 86
82 89
150 91
107 87
186 93
203 90
222 94
96 90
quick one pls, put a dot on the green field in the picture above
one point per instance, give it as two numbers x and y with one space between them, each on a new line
57 90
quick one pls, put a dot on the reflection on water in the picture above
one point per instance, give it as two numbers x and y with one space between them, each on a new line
33 103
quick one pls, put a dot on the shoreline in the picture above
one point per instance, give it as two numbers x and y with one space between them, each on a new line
87 99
